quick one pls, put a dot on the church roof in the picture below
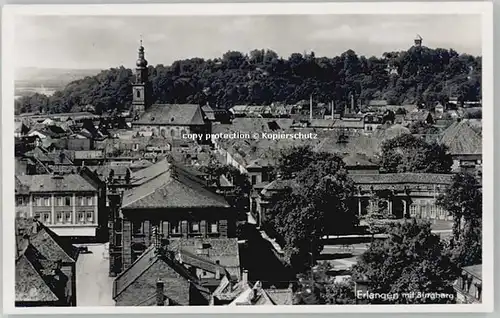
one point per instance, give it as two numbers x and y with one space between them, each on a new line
172 115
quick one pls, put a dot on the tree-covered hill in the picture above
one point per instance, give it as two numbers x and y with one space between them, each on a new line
420 75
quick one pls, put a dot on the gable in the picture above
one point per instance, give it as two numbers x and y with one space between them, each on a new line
176 287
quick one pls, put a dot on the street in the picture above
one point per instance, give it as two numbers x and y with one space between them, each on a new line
93 286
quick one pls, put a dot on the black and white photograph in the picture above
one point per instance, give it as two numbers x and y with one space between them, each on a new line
248 158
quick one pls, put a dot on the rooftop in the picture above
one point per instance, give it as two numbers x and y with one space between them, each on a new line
51 183
172 114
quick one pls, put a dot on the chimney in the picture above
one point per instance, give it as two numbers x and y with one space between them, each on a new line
160 297
311 107
34 228
217 270
244 277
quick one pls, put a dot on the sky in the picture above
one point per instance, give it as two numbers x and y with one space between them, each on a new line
90 42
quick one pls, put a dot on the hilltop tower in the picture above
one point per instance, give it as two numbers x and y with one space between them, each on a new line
418 41
140 92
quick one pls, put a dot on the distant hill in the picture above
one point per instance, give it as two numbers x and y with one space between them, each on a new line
52 78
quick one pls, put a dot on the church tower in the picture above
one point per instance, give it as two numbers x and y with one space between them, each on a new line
140 96
418 41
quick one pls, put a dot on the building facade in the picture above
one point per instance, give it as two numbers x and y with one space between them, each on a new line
67 204
182 209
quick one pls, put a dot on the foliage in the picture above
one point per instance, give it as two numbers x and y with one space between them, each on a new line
463 199
423 128
240 192
378 217
262 77
318 203
318 287
407 153
412 259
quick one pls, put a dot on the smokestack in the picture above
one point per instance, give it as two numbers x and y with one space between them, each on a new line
34 228
311 107
160 297
244 278
217 270
352 102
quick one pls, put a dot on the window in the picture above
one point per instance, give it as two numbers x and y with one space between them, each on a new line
213 227
81 217
172 133
478 290
46 218
118 240
47 202
36 215
82 201
195 227
19 201
254 180
175 227
138 93
413 210
89 201
59 217
137 227
90 217
67 201
164 228
60 201
69 217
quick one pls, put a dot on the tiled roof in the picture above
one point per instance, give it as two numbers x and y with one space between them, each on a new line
228 291
476 270
358 160
322 123
224 250
20 187
348 124
52 247
186 257
391 132
142 264
400 179
30 286
49 183
280 296
172 190
250 125
144 175
172 114
259 296
461 138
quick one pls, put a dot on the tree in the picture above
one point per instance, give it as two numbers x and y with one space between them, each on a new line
239 195
423 128
407 153
317 202
463 200
412 259
425 75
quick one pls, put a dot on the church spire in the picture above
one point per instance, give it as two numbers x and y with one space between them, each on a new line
141 92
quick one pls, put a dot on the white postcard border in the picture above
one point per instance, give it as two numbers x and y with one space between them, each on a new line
8 203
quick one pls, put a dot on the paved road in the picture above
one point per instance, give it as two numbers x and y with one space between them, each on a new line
93 286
